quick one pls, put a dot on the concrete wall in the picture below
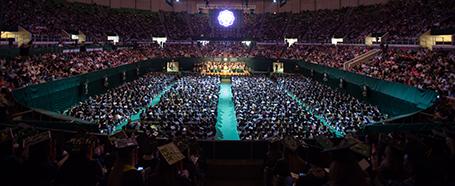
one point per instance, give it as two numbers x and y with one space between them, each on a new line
260 5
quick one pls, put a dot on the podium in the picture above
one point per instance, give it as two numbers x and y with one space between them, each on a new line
226 79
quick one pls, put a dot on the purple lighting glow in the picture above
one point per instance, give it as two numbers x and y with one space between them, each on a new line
226 18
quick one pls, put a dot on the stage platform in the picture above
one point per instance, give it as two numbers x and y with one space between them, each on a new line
227 73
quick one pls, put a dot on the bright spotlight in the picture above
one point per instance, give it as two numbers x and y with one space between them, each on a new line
226 18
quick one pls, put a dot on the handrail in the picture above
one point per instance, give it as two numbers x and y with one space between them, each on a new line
348 64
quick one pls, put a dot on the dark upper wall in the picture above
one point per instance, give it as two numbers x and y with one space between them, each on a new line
260 5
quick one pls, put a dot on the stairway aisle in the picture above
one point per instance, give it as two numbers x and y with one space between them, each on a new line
226 121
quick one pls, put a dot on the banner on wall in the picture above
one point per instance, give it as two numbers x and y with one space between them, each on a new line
172 66
278 67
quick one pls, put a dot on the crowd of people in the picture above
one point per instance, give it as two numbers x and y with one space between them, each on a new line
23 71
314 26
65 159
403 21
225 49
287 108
48 19
328 55
219 49
342 111
266 108
265 111
413 66
390 159
179 28
273 51
116 106
217 67
421 68
133 158
188 109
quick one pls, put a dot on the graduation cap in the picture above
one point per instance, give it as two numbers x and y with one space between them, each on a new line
27 135
359 147
351 150
80 142
7 142
386 139
342 152
324 142
125 143
443 133
290 143
344 145
6 135
313 154
36 138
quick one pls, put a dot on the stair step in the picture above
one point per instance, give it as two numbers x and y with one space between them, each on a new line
360 59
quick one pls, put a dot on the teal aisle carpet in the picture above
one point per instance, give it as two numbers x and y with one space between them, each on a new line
226 121
137 116
319 117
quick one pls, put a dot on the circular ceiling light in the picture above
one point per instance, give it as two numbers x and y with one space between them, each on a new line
226 18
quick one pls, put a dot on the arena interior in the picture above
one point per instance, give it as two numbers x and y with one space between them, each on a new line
227 92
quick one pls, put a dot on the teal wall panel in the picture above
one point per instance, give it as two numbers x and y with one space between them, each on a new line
392 98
